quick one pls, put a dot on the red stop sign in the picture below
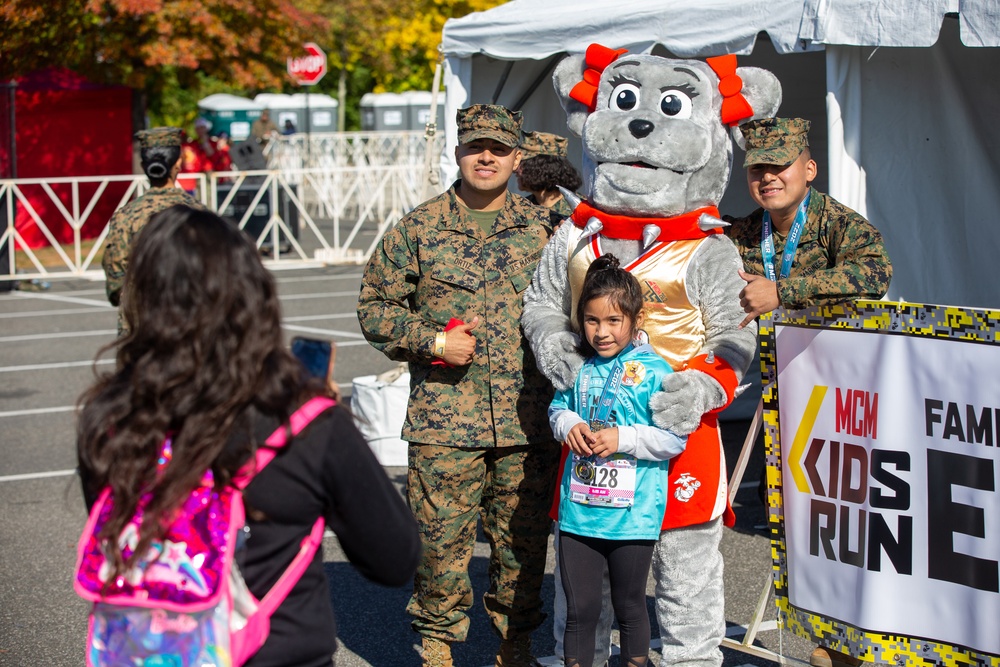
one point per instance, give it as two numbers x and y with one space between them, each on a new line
307 70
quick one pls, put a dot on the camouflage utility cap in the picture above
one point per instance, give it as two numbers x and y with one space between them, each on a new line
543 143
776 141
489 121
159 136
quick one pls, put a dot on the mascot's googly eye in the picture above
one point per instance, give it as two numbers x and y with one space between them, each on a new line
676 104
624 97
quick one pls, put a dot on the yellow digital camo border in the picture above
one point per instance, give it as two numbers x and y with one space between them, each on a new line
907 319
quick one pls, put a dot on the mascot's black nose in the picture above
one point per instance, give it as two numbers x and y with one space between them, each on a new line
640 128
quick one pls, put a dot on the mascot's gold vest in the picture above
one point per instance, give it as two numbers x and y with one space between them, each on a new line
674 326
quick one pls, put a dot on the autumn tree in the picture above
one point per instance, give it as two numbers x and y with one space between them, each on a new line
177 51
384 45
351 42
158 47
410 40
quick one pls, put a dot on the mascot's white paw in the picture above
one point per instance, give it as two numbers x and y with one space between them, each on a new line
686 396
558 359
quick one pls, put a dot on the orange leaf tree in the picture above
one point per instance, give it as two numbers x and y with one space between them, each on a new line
158 46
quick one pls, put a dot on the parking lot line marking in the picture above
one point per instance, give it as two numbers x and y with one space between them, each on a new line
63 334
352 343
89 292
326 332
313 318
49 313
37 475
48 367
320 295
64 299
38 411
307 279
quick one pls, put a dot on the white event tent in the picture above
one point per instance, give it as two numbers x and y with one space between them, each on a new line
904 98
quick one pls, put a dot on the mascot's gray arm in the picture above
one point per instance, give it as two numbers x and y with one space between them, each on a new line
715 287
545 317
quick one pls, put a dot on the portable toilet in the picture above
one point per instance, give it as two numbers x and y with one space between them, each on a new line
419 108
367 105
230 114
385 112
282 108
322 112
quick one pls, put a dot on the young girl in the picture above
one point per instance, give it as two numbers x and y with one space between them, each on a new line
614 485
204 360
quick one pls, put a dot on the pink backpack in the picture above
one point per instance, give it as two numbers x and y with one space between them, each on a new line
186 603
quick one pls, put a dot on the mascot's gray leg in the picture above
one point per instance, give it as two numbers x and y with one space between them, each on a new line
690 598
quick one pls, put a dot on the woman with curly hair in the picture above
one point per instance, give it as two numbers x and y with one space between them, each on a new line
544 166
204 362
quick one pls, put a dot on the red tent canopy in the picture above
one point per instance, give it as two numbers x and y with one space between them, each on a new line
68 126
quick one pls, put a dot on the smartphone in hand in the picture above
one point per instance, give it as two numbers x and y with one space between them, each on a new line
316 355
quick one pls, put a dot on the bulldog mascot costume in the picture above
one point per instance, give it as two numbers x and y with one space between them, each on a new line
657 155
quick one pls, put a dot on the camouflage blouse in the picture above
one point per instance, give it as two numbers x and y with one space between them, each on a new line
126 223
437 264
840 256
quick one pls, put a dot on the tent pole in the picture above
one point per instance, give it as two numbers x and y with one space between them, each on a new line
546 73
11 87
502 81
432 178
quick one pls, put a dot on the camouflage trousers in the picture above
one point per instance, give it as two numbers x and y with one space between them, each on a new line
510 489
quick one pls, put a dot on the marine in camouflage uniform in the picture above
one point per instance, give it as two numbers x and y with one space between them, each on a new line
480 443
840 255
128 220
558 211
555 150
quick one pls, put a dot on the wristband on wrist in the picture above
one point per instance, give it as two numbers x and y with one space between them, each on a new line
439 340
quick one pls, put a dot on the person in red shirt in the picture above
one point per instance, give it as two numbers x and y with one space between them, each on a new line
203 154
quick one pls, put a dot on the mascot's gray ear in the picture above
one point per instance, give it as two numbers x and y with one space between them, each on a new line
568 73
763 91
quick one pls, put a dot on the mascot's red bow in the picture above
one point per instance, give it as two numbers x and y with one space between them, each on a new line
598 57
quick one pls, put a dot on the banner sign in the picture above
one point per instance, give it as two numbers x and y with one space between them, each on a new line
882 424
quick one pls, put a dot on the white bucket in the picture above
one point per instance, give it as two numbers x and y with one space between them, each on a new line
379 411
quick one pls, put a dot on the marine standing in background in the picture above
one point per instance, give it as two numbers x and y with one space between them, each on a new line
160 153
443 292
545 166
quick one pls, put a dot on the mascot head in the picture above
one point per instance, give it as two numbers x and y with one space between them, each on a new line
656 131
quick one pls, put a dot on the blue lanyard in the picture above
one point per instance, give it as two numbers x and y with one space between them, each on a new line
607 398
791 245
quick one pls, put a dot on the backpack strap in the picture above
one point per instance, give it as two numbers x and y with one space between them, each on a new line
286 582
314 540
301 418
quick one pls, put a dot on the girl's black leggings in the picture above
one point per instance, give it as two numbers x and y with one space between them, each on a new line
582 561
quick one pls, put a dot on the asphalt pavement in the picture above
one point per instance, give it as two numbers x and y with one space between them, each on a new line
49 341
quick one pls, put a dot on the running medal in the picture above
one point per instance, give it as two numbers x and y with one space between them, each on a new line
596 480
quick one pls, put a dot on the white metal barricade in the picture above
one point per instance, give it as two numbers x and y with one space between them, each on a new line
332 212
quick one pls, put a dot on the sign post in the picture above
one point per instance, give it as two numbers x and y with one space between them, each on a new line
307 70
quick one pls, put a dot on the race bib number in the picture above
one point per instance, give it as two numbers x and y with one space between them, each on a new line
605 482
